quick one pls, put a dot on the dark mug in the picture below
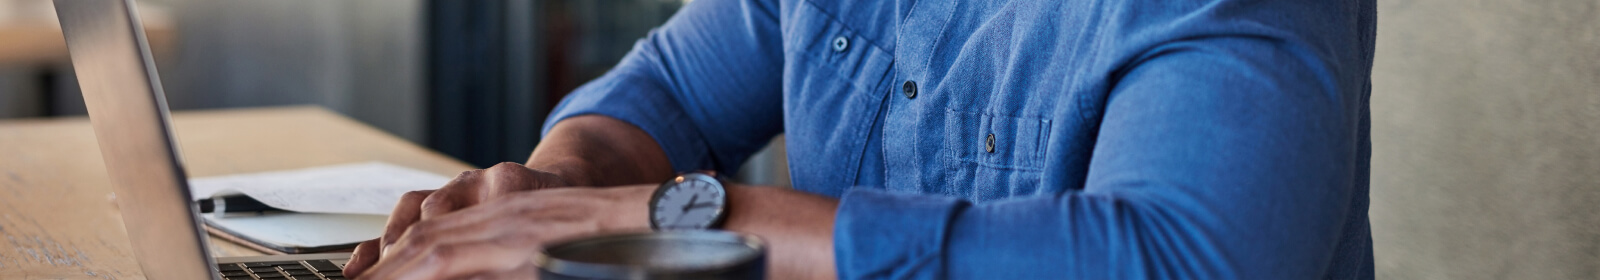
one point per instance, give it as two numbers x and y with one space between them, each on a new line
687 254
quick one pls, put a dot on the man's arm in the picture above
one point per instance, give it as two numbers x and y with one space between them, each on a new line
701 92
590 150
1222 157
706 85
596 150
798 227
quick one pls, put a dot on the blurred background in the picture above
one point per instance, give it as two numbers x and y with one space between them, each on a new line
471 79
1486 113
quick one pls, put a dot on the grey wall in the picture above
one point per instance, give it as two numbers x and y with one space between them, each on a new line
1486 139
362 58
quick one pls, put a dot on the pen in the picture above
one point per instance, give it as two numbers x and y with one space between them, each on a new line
234 204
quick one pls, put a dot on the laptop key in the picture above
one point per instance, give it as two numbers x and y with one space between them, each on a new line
237 273
292 266
322 265
228 267
263 269
297 272
267 264
270 274
333 274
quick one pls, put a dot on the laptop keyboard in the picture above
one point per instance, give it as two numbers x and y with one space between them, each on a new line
284 270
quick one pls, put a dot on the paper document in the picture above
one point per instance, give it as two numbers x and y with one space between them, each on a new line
362 188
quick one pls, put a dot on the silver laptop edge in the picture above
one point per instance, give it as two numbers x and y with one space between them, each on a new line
129 113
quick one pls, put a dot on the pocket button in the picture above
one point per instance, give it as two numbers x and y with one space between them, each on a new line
988 144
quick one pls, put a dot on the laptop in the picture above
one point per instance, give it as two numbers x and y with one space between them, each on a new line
129 113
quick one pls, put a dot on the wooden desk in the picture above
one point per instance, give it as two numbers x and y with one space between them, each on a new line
56 214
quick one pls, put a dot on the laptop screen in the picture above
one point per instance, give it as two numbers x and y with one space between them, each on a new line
129 114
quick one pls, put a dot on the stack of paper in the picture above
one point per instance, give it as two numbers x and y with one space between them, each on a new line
334 206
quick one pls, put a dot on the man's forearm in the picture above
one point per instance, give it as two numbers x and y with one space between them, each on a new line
596 150
797 226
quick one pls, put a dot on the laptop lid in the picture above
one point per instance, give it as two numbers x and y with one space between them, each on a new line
129 114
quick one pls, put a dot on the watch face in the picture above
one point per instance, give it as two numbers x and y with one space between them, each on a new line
690 201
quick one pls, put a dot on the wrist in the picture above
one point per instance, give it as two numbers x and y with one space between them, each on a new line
633 208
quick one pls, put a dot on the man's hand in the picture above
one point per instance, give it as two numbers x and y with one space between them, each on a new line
498 238
466 190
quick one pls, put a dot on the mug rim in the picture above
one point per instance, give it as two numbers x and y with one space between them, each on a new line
552 264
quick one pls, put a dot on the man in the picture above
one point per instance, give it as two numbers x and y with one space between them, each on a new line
956 139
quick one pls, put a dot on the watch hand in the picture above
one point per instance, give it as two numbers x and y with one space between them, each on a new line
690 205
702 205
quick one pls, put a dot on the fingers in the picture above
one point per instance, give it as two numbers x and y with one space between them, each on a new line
422 236
406 212
452 260
503 217
425 222
467 189
476 186
506 177
365 255
510 177
458 193
485 239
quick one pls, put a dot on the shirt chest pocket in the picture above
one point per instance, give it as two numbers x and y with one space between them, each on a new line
996 141
994 156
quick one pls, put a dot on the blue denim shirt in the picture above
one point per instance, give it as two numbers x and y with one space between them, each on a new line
1032 139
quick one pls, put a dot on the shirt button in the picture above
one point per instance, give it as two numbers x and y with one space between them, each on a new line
910 89
989 144
840 44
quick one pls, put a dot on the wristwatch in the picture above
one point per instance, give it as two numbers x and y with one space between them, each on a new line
689 201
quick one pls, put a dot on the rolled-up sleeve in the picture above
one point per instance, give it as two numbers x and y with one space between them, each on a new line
706 85
1218 157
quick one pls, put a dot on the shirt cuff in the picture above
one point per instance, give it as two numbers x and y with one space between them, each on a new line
878 234
639 101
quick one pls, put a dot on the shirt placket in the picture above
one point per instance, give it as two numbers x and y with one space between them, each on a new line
917 37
